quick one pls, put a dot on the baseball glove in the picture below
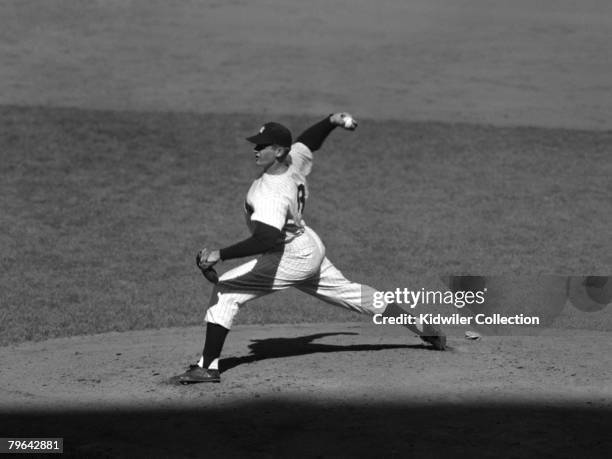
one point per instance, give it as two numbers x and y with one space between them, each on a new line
207 266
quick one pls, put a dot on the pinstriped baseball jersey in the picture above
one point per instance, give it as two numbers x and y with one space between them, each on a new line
279 200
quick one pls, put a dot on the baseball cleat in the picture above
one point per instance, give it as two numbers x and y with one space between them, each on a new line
434 336
197 374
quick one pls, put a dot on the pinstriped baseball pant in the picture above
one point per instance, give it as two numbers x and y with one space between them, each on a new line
301 264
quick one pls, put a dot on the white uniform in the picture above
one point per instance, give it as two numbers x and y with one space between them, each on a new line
278 201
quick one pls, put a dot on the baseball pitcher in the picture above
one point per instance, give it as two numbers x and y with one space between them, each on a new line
288 252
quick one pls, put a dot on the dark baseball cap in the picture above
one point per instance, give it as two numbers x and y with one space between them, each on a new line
272 134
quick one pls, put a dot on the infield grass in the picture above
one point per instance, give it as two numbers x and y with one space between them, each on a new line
102 212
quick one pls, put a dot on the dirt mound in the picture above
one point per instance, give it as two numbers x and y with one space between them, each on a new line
340 389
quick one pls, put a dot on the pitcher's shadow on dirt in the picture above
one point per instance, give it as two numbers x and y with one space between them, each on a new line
275 348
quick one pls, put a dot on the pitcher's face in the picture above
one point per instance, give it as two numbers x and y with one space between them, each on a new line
265 155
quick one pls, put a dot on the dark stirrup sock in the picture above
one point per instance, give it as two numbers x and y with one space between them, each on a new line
215 337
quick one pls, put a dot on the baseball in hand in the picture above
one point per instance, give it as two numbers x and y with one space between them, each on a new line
344 120
349 122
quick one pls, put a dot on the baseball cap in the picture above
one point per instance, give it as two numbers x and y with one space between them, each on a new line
272 133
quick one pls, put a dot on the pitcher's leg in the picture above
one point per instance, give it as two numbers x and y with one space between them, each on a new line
239 286
236 287
270 272
331 286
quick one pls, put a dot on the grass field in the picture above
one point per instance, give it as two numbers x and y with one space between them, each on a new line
102 212
524 62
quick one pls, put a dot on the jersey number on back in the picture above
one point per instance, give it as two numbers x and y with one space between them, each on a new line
301 197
